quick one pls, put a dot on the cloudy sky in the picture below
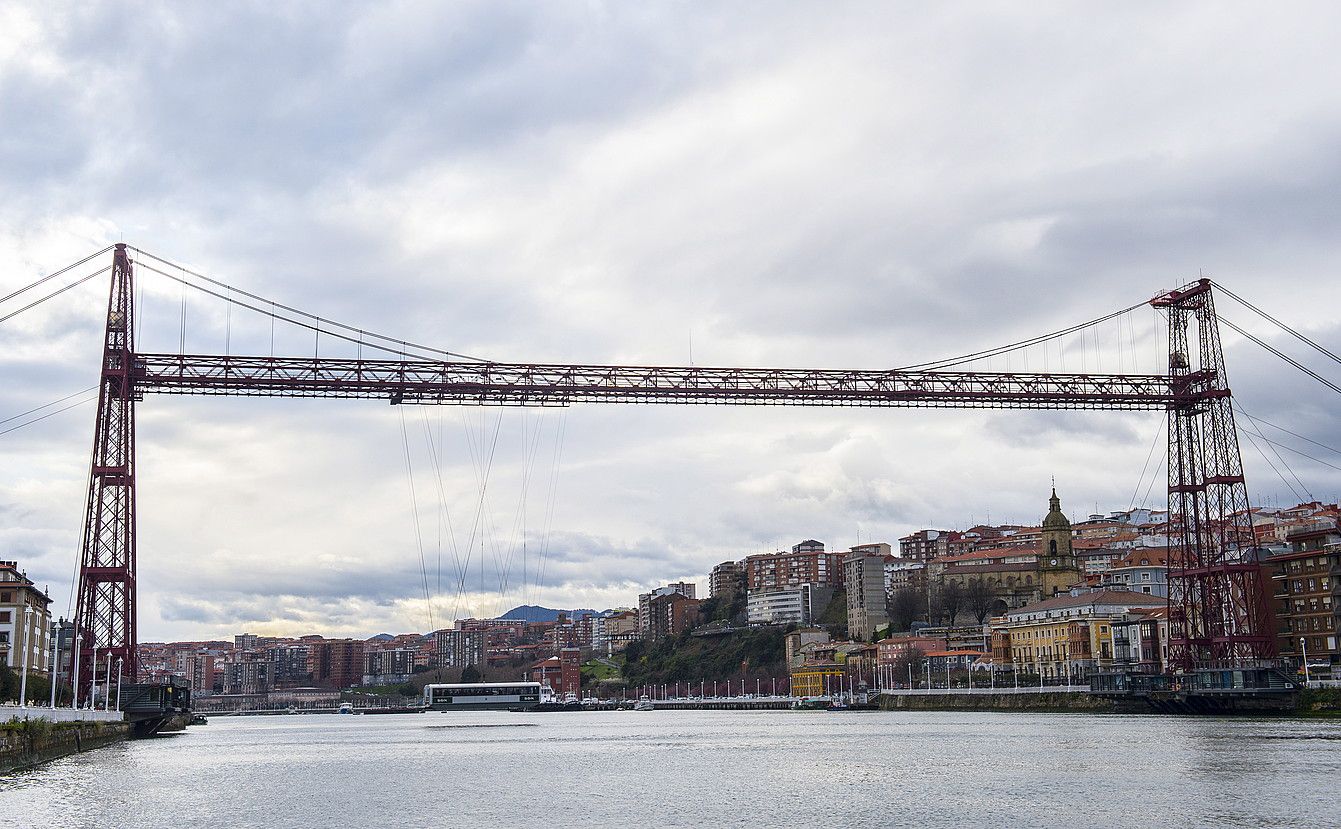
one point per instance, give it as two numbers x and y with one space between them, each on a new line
845 185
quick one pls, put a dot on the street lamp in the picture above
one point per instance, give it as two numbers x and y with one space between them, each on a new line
107 699
118 683
74 676
55 663
1303 643
93 672
27 647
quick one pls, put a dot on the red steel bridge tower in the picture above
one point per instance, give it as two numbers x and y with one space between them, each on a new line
1218 610
105 607
1218 606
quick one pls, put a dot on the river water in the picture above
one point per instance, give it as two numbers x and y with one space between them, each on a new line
698 768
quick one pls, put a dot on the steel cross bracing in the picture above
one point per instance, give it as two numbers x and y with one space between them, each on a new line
105 605
1217 604
1218 607
529 384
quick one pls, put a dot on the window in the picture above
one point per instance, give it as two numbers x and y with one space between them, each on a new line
6 597
4 617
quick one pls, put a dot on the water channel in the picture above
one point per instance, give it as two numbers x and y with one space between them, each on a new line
698 768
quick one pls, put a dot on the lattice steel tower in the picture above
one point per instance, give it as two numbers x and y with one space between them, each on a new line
105 612
1218 611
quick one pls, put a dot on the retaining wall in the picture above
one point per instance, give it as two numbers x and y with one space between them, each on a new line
25 743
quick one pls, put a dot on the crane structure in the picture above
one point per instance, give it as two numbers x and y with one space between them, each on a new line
1217 604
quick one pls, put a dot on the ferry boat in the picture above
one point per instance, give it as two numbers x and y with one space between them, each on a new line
482 696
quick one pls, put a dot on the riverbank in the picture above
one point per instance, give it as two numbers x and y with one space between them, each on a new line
1040 702
27 743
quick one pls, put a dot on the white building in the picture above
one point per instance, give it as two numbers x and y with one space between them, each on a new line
790 605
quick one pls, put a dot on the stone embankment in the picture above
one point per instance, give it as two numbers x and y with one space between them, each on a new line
1042 701
25 743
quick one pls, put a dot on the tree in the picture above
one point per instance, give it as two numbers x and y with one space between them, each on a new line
906 606
470 674
980 598
909 664
952 600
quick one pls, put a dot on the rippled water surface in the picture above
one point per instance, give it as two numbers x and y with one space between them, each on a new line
702 769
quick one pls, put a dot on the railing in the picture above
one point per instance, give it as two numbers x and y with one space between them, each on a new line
34 712
981 691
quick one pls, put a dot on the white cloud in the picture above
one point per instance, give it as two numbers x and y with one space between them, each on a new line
862 186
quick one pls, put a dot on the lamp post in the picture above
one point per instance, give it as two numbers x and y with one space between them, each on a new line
1303 643
107 698
118 683
93 672
74 675
27 647
55 662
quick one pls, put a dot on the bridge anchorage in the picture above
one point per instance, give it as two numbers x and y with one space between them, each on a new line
1220 622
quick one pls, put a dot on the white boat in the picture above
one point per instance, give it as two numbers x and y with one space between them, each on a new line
346 708
644 703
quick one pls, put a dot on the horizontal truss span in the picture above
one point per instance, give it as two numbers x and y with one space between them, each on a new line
528 384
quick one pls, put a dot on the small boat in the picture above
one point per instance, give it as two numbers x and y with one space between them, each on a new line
346 708
644 703
199 719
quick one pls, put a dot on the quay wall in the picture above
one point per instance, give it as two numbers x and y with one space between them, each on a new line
26 743
1042 701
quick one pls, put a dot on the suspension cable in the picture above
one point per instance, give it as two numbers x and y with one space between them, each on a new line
1282 326
51 276
993 352
360 332
54 294
1266 422
1288 485
19 426
46 405
281 317
1275 451
1310 372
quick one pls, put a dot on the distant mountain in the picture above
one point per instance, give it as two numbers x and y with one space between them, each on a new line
534 613
381 637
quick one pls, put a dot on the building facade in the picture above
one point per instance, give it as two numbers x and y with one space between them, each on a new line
682 588
727 579
800 605
867 601
459 648
670 614
1066 636
807 563
25 621
1307 596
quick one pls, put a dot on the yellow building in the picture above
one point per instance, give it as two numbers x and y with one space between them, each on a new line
1065 635
815 679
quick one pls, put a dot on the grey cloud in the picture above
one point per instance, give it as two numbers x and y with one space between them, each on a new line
790 188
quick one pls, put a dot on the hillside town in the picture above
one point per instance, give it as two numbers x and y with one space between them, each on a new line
1047 604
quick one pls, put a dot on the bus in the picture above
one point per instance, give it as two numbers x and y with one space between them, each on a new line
481 696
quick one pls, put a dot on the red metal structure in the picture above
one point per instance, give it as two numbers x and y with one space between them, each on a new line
1217 600
1218 611
105 607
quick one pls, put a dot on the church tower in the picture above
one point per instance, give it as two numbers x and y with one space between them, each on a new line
1056 559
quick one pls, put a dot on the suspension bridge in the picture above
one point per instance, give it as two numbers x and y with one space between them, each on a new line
1218 603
